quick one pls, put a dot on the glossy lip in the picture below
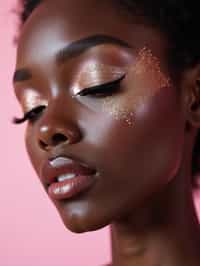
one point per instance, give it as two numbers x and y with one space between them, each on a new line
70 188
60 165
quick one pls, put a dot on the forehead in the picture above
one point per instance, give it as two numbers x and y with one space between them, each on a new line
54 24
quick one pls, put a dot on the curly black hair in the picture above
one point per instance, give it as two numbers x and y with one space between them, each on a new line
179 20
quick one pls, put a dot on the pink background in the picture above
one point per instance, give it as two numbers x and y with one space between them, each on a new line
31 231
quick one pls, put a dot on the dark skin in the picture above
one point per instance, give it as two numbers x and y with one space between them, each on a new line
145 178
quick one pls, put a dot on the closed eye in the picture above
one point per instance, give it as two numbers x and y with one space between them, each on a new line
102 89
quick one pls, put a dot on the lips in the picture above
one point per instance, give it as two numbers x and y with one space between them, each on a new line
50 170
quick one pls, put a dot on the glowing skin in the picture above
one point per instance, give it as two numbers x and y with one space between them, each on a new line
145 78
31 99
144 171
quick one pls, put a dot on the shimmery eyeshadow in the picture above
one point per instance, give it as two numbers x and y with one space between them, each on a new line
95 74
144 79
102 67
31 99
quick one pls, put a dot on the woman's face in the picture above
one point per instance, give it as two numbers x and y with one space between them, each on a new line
133 137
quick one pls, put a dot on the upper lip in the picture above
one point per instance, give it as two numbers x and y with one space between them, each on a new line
49 173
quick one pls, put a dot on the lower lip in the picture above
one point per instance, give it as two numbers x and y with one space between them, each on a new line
70 187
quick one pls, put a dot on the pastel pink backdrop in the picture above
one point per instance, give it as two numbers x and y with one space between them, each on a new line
31 231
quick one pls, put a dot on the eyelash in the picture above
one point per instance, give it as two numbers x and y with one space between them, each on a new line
106 88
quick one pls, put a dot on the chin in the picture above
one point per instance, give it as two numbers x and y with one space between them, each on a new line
80 224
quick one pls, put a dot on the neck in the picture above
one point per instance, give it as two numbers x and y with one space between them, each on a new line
164 231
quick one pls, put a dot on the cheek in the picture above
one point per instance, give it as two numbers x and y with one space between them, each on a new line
149 132
145 156
144 79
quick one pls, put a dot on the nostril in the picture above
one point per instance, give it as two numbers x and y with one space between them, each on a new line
58 137
42 144
55 140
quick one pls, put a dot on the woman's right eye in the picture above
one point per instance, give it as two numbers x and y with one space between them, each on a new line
31 116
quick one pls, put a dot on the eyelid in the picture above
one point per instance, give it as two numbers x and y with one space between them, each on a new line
107 84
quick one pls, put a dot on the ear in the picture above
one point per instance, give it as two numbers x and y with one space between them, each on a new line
190 86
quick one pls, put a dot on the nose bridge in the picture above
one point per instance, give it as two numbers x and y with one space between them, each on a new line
58 122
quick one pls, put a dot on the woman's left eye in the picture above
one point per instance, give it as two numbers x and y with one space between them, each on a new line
103 89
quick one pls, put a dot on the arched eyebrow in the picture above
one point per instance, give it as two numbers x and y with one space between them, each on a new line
72 50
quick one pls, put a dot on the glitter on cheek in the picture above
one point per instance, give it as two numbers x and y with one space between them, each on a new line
117 109
144 80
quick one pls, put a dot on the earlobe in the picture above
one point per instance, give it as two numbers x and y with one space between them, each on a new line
190 86
194 104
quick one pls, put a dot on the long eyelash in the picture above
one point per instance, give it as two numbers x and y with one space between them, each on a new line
101 88
27 115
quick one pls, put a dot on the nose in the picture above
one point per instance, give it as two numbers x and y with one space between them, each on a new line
57 129
51 136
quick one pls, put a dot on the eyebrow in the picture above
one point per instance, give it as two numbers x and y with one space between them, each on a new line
72 50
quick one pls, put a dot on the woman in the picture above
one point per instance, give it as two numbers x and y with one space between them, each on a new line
111 90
